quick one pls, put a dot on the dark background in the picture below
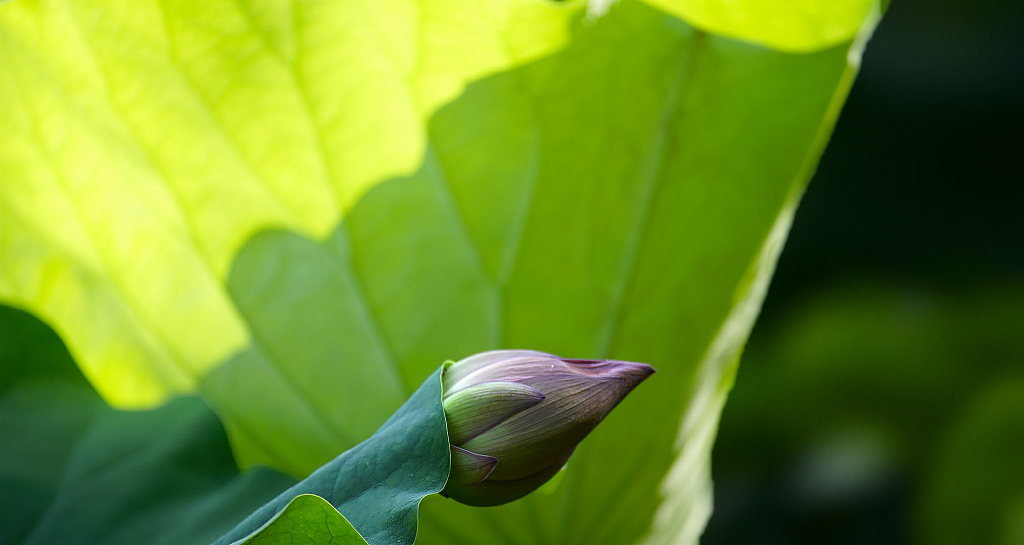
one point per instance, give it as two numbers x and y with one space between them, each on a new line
880 399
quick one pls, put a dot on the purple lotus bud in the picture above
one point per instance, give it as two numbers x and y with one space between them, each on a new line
515 417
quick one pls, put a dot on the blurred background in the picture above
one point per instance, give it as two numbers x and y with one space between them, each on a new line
881 396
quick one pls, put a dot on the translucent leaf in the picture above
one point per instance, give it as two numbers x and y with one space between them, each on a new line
144 144
786 25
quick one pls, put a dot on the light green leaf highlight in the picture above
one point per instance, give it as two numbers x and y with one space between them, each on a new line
306 520
144 143
785 25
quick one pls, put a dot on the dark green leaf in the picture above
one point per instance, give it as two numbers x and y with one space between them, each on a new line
75 471
378 484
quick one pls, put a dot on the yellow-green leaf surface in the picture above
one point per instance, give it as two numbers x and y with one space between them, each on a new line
622 195
788 25
143 143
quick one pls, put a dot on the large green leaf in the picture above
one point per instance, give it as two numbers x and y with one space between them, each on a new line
73 470
624 197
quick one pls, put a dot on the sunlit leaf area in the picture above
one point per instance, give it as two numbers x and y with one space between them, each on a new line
511 272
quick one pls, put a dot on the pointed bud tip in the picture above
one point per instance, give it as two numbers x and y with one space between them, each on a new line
631 372
634 373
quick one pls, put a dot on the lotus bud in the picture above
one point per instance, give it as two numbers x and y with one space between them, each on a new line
515 416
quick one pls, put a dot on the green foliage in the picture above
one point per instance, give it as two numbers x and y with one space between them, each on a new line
269 203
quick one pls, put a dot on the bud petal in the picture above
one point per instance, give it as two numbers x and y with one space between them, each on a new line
465 367
469 468
489 492
474 410
531 441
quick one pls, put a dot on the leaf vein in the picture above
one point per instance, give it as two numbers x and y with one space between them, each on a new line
651 183
472 249
158 341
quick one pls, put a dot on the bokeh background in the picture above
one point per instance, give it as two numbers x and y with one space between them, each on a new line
881 396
